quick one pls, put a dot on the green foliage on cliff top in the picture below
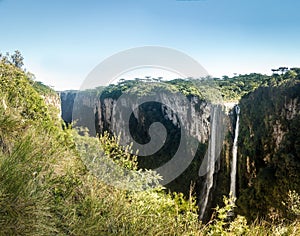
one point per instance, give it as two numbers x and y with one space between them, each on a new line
18 94
236 87
21 93
226 88
15 63
200 88
42 88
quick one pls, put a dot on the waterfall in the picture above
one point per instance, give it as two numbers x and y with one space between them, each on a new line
212 155
234 155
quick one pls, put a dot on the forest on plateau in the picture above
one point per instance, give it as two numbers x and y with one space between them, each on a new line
46 188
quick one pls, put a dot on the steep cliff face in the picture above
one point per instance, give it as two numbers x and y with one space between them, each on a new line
194 114
67 102
269 150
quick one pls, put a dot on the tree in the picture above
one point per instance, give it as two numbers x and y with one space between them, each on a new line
17 59
275 71
283 69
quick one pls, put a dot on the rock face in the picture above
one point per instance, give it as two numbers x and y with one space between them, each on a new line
193 115
67 101
269 150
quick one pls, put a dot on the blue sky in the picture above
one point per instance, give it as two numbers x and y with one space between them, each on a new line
63 40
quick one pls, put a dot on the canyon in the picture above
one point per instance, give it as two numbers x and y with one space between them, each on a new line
265 154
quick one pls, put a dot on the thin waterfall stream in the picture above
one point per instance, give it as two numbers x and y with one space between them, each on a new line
234 155
208 166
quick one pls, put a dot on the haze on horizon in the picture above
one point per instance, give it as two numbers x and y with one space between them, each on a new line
62 41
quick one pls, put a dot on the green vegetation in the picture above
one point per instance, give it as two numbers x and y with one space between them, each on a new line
45 189
141 87
270 141
221 89
42 89
233 89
